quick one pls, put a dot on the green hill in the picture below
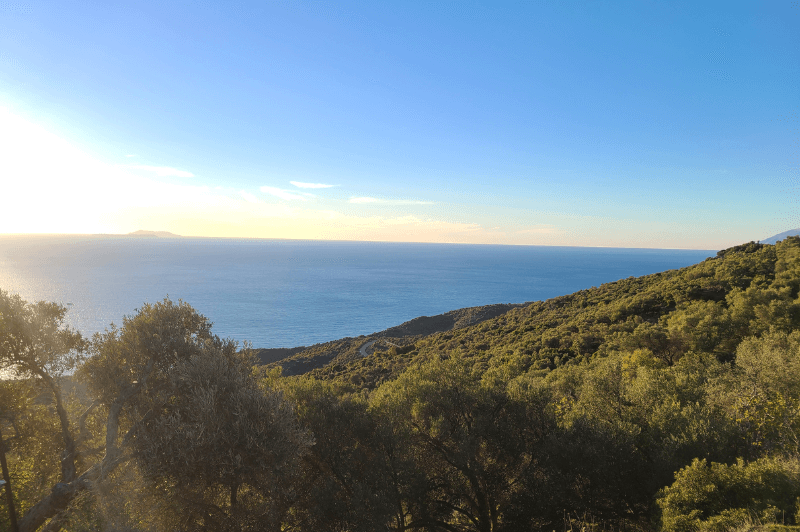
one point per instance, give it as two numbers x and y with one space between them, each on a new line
669 402
707 307
301 360
601 408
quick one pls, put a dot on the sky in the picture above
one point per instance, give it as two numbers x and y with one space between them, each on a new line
622 124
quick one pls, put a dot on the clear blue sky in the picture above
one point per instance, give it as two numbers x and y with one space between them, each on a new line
639 124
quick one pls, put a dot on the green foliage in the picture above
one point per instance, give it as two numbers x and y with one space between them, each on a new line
135 360
720 497
347 484
34 342
321 357
471 440
761 393
31 435
750 247
225 451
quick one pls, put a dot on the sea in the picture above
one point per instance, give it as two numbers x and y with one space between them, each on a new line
290 293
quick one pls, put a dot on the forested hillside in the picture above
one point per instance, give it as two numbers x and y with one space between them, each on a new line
666 402
338 352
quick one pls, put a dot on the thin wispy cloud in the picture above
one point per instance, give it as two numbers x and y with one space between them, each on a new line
163 171
300 184
248 196
379 201
284 194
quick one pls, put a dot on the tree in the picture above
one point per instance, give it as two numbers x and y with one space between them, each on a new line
761 393
31 437
665 345
226 453
346 485
475 442
7 415
34 343
127 369
155 382
725 497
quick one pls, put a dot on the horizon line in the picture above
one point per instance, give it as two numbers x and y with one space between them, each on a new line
176 236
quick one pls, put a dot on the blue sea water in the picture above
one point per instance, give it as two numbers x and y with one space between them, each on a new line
287 293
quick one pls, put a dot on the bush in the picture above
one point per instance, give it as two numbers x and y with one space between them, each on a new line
723 497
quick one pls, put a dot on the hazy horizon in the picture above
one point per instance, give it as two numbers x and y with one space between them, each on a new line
173 235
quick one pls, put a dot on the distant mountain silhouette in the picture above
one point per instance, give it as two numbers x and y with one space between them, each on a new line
161 234
781 236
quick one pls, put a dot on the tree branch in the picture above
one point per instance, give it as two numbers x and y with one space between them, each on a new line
83 432
70 452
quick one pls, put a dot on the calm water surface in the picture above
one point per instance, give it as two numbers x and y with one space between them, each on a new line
285 293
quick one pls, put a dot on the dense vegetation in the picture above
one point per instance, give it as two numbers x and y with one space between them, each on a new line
666 402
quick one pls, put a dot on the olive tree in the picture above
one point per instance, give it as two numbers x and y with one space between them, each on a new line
475 439
35 344
157 382
226 452
37 349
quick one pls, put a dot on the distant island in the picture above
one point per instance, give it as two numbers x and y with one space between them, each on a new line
157 234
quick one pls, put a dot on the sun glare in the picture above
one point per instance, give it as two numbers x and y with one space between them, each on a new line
56 188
